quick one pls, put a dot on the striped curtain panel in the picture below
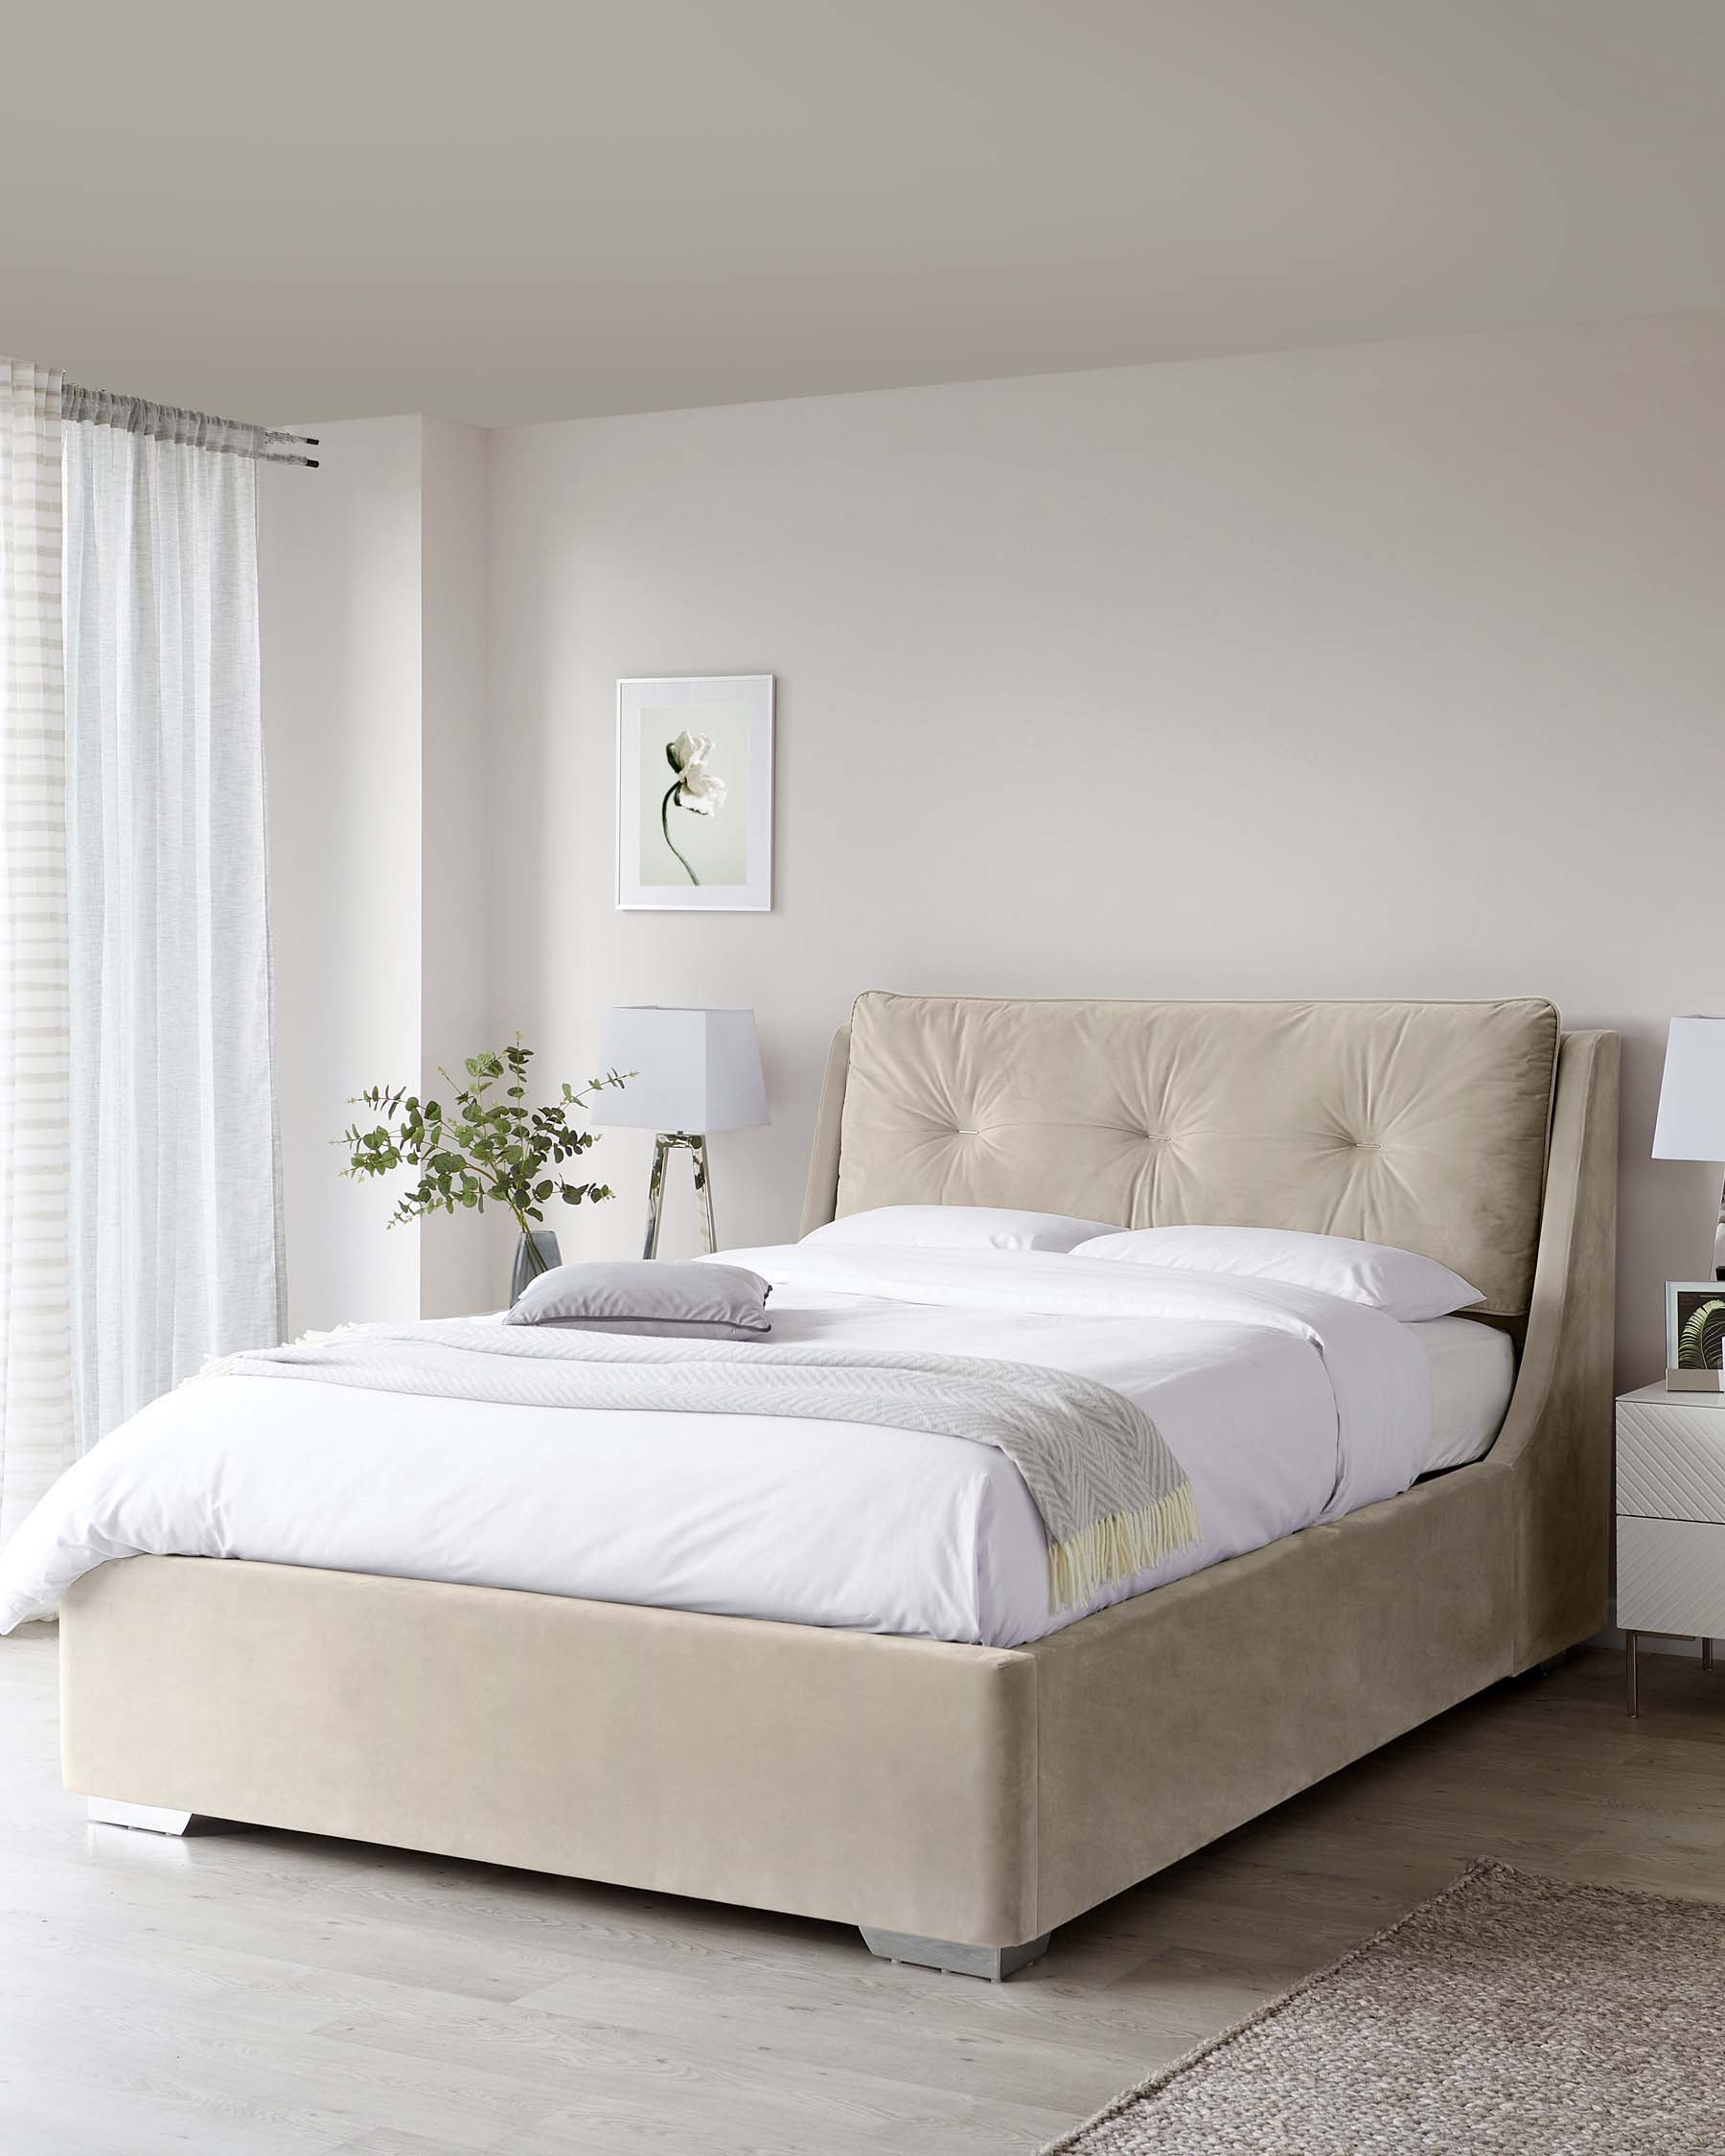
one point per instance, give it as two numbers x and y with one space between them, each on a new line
36 1432
140 1214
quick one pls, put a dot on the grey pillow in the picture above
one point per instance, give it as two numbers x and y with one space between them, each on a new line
642 1296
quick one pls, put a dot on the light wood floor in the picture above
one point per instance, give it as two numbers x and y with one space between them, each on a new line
244 1991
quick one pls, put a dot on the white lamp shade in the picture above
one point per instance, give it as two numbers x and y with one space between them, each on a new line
696 1071
1691 1096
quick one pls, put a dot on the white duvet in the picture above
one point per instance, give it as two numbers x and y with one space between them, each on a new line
1285 1405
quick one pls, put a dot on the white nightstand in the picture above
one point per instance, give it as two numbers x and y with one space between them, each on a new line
1670 1526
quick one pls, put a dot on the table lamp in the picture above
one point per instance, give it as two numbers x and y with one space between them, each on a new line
696 1071
1691 1099
1692 1127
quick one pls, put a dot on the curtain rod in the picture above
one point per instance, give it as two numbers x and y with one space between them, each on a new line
141 415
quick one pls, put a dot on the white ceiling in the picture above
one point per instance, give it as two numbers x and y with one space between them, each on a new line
505 212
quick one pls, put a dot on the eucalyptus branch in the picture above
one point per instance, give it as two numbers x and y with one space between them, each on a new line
483 1148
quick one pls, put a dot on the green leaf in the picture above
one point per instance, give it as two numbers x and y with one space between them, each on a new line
483 1147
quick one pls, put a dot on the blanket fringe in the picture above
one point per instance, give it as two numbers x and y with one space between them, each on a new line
1119 1547
218 1365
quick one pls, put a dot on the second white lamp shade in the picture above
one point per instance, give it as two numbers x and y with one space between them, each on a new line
1692 1094
696 1071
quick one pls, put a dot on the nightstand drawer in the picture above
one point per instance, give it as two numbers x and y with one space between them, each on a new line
1670 1459
1671 1576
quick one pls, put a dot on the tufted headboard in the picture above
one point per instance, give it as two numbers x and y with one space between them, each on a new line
1419 1124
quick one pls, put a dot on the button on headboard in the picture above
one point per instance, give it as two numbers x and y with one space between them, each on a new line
1419 1124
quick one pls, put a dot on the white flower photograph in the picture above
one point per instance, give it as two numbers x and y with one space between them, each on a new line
705 767
694 794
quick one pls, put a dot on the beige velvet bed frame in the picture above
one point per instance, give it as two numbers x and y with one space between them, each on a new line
959 1803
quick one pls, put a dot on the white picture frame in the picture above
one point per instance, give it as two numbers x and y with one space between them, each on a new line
1687 1369
695 837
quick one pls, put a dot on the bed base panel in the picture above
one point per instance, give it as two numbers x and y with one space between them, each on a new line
826 1774
969 1797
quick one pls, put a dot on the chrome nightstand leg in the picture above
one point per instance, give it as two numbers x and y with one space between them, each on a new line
1632 1703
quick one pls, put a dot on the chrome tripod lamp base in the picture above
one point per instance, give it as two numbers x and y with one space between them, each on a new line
664 1145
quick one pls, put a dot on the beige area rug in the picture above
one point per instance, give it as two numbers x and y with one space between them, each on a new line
1514 2014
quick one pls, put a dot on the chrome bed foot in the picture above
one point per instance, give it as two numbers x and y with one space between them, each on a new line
995 1963
152 1819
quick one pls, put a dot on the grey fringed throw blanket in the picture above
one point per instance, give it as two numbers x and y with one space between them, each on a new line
1113 1498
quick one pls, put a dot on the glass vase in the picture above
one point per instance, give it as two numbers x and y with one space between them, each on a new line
525 1269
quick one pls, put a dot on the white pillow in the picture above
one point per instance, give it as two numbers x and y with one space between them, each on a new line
1400 1282
958 1228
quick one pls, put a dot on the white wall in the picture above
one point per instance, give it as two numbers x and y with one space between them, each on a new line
1394 670
372 573
460 1270
338 579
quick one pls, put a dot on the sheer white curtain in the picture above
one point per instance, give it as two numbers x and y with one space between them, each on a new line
174 1212
35 1405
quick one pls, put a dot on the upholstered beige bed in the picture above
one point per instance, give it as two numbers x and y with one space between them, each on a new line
959 1803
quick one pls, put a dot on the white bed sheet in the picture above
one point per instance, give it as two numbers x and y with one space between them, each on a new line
802 1521
1473 1374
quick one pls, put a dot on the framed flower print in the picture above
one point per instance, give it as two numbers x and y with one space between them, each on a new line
694 794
